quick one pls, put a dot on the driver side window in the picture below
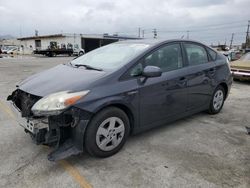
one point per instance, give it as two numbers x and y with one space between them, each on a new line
167 58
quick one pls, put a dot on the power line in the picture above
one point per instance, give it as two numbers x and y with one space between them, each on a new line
198 30
221 24
235 23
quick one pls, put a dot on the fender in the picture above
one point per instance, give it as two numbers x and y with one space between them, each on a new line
124 101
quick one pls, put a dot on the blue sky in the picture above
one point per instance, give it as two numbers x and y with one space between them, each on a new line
210 21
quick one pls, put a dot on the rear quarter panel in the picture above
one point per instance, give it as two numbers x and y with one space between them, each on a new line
223 73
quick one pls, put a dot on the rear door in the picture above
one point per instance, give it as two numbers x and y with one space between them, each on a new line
201 73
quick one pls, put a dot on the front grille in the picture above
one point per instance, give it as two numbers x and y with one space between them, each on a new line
24 101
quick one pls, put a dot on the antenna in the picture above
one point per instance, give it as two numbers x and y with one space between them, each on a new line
231 42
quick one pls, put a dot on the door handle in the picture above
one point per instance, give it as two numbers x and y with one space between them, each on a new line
132 92
199 73
212 71
182 81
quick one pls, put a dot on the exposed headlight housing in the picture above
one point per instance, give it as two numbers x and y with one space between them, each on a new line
55 103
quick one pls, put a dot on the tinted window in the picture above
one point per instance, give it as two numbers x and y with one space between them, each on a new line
212 54
196 54
167 58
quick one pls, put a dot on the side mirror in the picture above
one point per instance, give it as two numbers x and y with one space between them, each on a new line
151 71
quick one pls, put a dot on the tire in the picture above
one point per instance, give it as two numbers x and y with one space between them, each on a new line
81 53
101 139
217 100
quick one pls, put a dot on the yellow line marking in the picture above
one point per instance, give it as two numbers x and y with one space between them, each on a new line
7 110
65 164
75 174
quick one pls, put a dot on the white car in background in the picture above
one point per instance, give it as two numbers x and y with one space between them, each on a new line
5 49
9 49
78 51
13 51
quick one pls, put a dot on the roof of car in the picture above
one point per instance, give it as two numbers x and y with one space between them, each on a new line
153 42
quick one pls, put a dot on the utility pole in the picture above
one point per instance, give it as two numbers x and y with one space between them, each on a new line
155 33
247 35
231 42
20 31
187 34
139 32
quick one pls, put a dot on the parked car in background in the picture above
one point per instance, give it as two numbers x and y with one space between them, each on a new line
97 100
13 50
226 54
9 49
5 49
231 55
241 68
78 51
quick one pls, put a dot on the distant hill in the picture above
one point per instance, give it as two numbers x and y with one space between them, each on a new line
6 37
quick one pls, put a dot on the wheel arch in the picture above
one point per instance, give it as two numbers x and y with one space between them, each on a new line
125 109
225 86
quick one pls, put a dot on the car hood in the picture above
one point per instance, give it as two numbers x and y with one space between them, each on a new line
241 65
60 78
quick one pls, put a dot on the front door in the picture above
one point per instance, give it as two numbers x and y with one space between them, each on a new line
165 96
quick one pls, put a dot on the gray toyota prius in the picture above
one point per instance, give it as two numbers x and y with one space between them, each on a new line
97 100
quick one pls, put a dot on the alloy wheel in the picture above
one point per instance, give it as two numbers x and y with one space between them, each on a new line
110 133
218 99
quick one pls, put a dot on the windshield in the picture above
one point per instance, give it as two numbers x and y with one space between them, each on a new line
245 57
112 56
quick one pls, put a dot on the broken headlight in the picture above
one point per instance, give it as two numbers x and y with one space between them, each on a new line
55 103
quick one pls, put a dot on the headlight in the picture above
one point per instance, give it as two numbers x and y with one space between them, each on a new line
55 103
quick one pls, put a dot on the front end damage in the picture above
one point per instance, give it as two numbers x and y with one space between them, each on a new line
64 132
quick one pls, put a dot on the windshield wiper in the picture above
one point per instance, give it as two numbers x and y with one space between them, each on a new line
88 67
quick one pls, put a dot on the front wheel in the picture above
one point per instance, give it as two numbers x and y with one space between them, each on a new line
107 132
80 53
217 100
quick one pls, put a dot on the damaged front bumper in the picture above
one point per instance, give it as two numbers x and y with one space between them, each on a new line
31 125
63 132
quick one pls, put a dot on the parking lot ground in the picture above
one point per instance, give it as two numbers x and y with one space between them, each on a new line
200 151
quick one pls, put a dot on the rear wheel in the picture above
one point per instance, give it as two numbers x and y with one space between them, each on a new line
107 132
217 100
81 53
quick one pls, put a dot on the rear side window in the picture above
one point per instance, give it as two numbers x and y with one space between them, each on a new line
212 54
196 54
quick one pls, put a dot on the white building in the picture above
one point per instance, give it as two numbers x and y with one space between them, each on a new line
87 42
